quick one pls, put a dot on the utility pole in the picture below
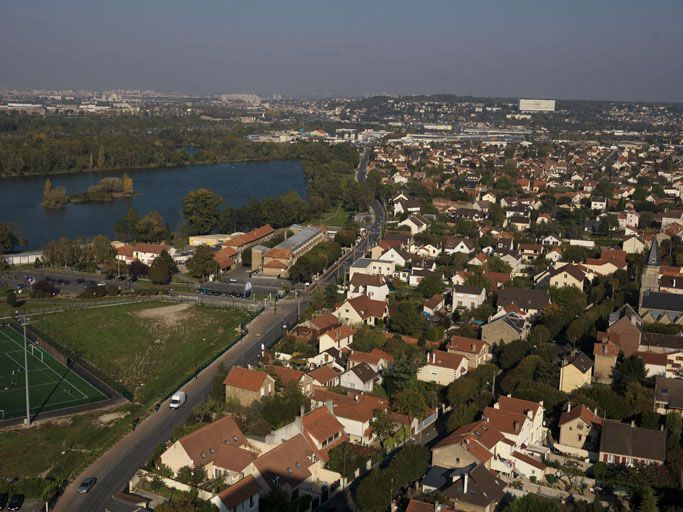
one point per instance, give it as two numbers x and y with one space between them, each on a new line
25 320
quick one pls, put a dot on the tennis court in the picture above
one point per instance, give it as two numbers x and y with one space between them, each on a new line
52 386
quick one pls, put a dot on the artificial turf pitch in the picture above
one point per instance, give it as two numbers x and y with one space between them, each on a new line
52 386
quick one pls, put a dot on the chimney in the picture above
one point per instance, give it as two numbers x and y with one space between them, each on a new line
569 406
633 423
515 426
465 483
330 405
356 398
596 410
302 411
433 357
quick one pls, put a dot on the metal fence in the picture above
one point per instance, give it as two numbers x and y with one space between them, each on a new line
106 381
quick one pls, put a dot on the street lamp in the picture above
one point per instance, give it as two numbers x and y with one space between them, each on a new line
25 320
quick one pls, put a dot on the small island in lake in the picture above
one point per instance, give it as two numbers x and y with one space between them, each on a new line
107 189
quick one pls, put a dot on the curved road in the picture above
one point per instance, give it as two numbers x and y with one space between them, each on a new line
115 468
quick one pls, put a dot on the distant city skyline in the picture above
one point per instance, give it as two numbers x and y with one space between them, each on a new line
609 50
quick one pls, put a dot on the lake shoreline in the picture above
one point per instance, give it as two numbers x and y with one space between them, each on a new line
159 188
139 168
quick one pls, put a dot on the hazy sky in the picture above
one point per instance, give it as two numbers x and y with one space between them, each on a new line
607 49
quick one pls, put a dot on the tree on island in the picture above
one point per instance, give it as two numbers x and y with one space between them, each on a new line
127 185
53 197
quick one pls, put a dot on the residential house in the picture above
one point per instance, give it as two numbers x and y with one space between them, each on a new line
505 329
442 368
529 301
468 296
475 490
286 375
621 443
247 385
579 432
370 267
416 223
568 275
668 395
219 447
325 375
360 377
295 467
242 496
575 372
433 305
323 428
476 352
336 337
362 310
377 359
374 286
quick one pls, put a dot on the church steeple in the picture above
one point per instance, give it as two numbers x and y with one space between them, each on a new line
653 256
649 279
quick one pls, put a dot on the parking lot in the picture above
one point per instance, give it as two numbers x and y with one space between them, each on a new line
67 283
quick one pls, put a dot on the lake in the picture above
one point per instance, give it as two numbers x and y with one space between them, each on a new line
158 189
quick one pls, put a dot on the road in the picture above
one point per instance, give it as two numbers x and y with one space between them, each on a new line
115 468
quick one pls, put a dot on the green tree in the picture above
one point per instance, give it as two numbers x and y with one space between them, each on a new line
373 494
407 319
202 264
368 338
152 228
674 424
201 211
632 369
186 502
382 425
345 237
431 285
10 237
53 197
102 249
11 298
648 501
411 402
162 269
192 476
125 228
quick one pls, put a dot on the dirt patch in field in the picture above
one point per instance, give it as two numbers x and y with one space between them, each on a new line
112 416
170 316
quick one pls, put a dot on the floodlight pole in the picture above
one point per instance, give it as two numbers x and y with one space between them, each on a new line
25 320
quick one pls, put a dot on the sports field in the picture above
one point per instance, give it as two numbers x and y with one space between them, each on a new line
52 386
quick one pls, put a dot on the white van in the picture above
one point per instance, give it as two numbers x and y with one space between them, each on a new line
178 399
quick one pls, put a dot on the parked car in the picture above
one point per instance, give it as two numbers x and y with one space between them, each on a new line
15 502
177 400
86 485
4 498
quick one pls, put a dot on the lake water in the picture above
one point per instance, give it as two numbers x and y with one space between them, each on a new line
158 189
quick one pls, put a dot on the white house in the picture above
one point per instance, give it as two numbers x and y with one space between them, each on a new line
442 368
468 297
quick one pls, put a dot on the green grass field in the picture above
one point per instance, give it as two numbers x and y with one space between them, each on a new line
153 346
52 386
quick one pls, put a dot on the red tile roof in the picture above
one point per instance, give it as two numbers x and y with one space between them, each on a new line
208 440
240 492
468 345
245 378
